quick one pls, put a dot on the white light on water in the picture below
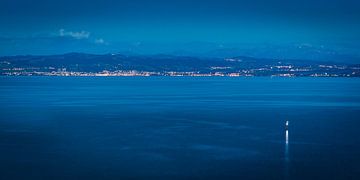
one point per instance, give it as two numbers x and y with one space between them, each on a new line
287 158
287 137
287 146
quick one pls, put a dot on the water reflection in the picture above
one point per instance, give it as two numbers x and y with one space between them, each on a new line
287 145
287 159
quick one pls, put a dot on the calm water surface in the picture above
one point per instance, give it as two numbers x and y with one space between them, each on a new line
179 128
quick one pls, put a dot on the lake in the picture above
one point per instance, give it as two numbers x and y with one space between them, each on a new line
179 128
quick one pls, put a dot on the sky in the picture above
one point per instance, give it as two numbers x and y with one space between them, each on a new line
162 26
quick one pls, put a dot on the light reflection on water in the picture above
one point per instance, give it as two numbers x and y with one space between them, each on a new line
287 159
287 145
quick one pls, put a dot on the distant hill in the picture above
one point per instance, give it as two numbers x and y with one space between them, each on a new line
80 62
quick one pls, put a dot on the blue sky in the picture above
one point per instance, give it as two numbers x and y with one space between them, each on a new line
101 26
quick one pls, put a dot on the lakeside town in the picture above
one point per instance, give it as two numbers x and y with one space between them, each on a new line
117 65
246 73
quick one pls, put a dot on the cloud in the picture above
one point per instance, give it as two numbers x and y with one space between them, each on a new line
100 41
56 42
81 35
76 35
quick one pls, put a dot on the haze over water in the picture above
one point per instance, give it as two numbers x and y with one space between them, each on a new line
179 127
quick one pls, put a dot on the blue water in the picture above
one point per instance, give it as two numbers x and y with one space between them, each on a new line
179 128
